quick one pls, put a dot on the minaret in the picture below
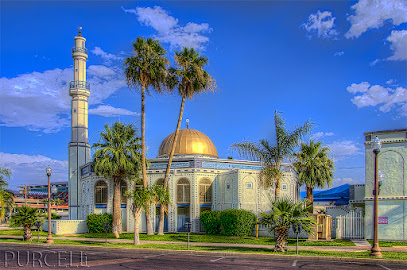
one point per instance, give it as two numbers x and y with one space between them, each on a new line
79 148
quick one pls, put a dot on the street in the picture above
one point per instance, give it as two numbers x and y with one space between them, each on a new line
14 256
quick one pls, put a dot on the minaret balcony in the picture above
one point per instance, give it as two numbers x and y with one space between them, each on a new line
79 85
79 50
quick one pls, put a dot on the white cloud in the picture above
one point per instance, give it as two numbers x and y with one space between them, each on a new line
339 53
373 13
107 57
321 23
375 95
375 62
28 169
343 148
347 180
390 82
398 41
109 111
168 29
41 102
319 135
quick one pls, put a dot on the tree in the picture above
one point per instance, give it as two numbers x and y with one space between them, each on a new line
314 168
273 156
141 198
6 198
117 156
190 78
284 214
26 217
146 69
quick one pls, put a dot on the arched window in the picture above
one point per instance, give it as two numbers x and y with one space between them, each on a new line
205 191
183 191
100 192
123 189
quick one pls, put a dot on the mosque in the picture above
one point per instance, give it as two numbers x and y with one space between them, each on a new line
199 180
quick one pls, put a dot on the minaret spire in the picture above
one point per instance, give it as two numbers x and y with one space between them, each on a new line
187 123
79 148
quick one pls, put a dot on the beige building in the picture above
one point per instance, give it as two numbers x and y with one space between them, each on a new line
198 181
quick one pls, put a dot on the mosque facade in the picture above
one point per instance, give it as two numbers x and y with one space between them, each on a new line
199 180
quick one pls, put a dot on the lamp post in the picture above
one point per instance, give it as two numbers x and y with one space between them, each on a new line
54 191
49 238
375 251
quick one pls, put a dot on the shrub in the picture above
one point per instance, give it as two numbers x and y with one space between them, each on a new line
95 222
211 221
237 222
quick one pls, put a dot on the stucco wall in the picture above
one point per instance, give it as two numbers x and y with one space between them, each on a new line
61 227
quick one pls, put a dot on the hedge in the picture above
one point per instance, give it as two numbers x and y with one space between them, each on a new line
231 222
211 221
95 222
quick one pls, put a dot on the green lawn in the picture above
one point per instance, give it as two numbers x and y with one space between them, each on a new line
203 238
365 254
20 232
389 243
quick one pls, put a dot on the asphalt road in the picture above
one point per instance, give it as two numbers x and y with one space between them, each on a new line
53 257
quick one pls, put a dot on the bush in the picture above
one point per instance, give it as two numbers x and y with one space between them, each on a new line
95 222
211 222
237 222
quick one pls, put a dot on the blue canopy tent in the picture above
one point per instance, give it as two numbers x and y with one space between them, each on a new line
339 195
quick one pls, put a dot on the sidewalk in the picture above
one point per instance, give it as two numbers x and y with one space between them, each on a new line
319 248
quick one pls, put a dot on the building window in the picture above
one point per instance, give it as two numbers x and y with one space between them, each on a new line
183 191
228 186
123 189
284 187
205 191
249 185
100 192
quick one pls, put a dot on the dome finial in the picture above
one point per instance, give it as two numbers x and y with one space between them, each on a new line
79 31
187 123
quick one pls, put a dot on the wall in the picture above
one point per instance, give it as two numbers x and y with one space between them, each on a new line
61 227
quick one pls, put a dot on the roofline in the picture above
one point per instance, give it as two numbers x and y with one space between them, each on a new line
385 131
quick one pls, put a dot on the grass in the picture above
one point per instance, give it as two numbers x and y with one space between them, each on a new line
389 243
364 254
20 232
203 238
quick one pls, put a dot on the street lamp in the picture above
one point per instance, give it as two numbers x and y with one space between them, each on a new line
54 191
49 238
375 251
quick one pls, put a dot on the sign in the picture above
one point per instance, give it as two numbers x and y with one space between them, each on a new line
383 220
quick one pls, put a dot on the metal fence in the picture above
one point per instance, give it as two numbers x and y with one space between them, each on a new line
352 226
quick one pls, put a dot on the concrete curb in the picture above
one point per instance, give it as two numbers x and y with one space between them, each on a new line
226 254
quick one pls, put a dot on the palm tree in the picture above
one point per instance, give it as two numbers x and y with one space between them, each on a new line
314 168
273 156
190 78
6 198
117 156
141 198
284 214
146 69
26 217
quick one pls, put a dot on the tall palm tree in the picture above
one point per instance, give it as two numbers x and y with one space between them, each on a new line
272 156
4 174
26 217
145 70
283 215
190 78
117 156
314 168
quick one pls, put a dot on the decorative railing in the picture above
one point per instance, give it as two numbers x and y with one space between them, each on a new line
80 50
79 85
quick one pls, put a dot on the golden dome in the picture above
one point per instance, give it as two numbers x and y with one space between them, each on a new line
189 142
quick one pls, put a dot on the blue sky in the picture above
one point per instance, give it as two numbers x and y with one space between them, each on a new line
342 64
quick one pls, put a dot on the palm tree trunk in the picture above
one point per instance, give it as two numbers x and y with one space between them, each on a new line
167 172
143 155
281 235
117 217
27 233
136 226
278 176
310 199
